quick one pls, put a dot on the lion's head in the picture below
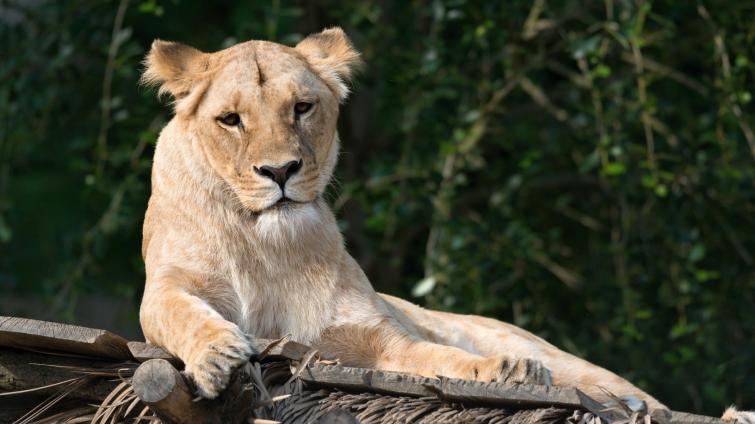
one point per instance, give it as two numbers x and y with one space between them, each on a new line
263 114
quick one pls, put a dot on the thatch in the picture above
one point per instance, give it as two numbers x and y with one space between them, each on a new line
307 403
285 383
368 408
292 402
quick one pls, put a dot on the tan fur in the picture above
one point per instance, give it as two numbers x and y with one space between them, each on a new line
224 260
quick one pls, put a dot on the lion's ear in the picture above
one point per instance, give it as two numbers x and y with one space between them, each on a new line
174 67
333 57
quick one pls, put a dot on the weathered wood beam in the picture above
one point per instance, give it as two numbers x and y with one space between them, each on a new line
280 349
143 352
45 336
273 350
361 379
505 395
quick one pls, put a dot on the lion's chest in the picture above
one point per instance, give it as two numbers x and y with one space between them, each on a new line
282 300
283 283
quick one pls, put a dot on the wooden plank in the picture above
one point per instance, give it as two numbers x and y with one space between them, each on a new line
519 395
476 392
360 379
45 336
142 351
287 349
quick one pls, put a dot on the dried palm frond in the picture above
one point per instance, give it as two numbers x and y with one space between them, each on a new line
82 414
66 389
115 405
119 404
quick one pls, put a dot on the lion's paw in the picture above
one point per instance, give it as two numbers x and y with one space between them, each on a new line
740 417
211 367
504 369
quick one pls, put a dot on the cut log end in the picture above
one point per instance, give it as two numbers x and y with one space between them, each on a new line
160 386
156 380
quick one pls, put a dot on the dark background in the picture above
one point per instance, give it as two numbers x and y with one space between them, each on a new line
583 169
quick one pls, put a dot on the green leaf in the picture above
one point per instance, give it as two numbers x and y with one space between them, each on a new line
590 162
584 47
601 71
6 234
696 253
614 169
424 287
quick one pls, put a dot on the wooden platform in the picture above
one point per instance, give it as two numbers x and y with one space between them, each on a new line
108 378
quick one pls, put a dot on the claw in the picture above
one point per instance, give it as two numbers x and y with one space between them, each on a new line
211 368
524 370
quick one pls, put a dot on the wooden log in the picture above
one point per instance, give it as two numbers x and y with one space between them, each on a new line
161 387
44 336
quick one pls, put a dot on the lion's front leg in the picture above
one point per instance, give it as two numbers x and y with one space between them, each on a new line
187 326
387 346
448 361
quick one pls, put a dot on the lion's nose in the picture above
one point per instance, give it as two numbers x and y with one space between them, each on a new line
280 174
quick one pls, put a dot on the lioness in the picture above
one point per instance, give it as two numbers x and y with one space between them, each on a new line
239 242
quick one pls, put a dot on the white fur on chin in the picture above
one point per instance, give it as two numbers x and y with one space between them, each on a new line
285 223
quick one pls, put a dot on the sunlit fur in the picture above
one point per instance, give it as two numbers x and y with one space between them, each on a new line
225 261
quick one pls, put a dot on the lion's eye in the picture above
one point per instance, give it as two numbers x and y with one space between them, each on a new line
230 119
302 107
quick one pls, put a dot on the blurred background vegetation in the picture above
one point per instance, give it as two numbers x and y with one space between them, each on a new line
583 169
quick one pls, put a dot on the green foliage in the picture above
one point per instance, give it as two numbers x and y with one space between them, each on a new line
583 169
